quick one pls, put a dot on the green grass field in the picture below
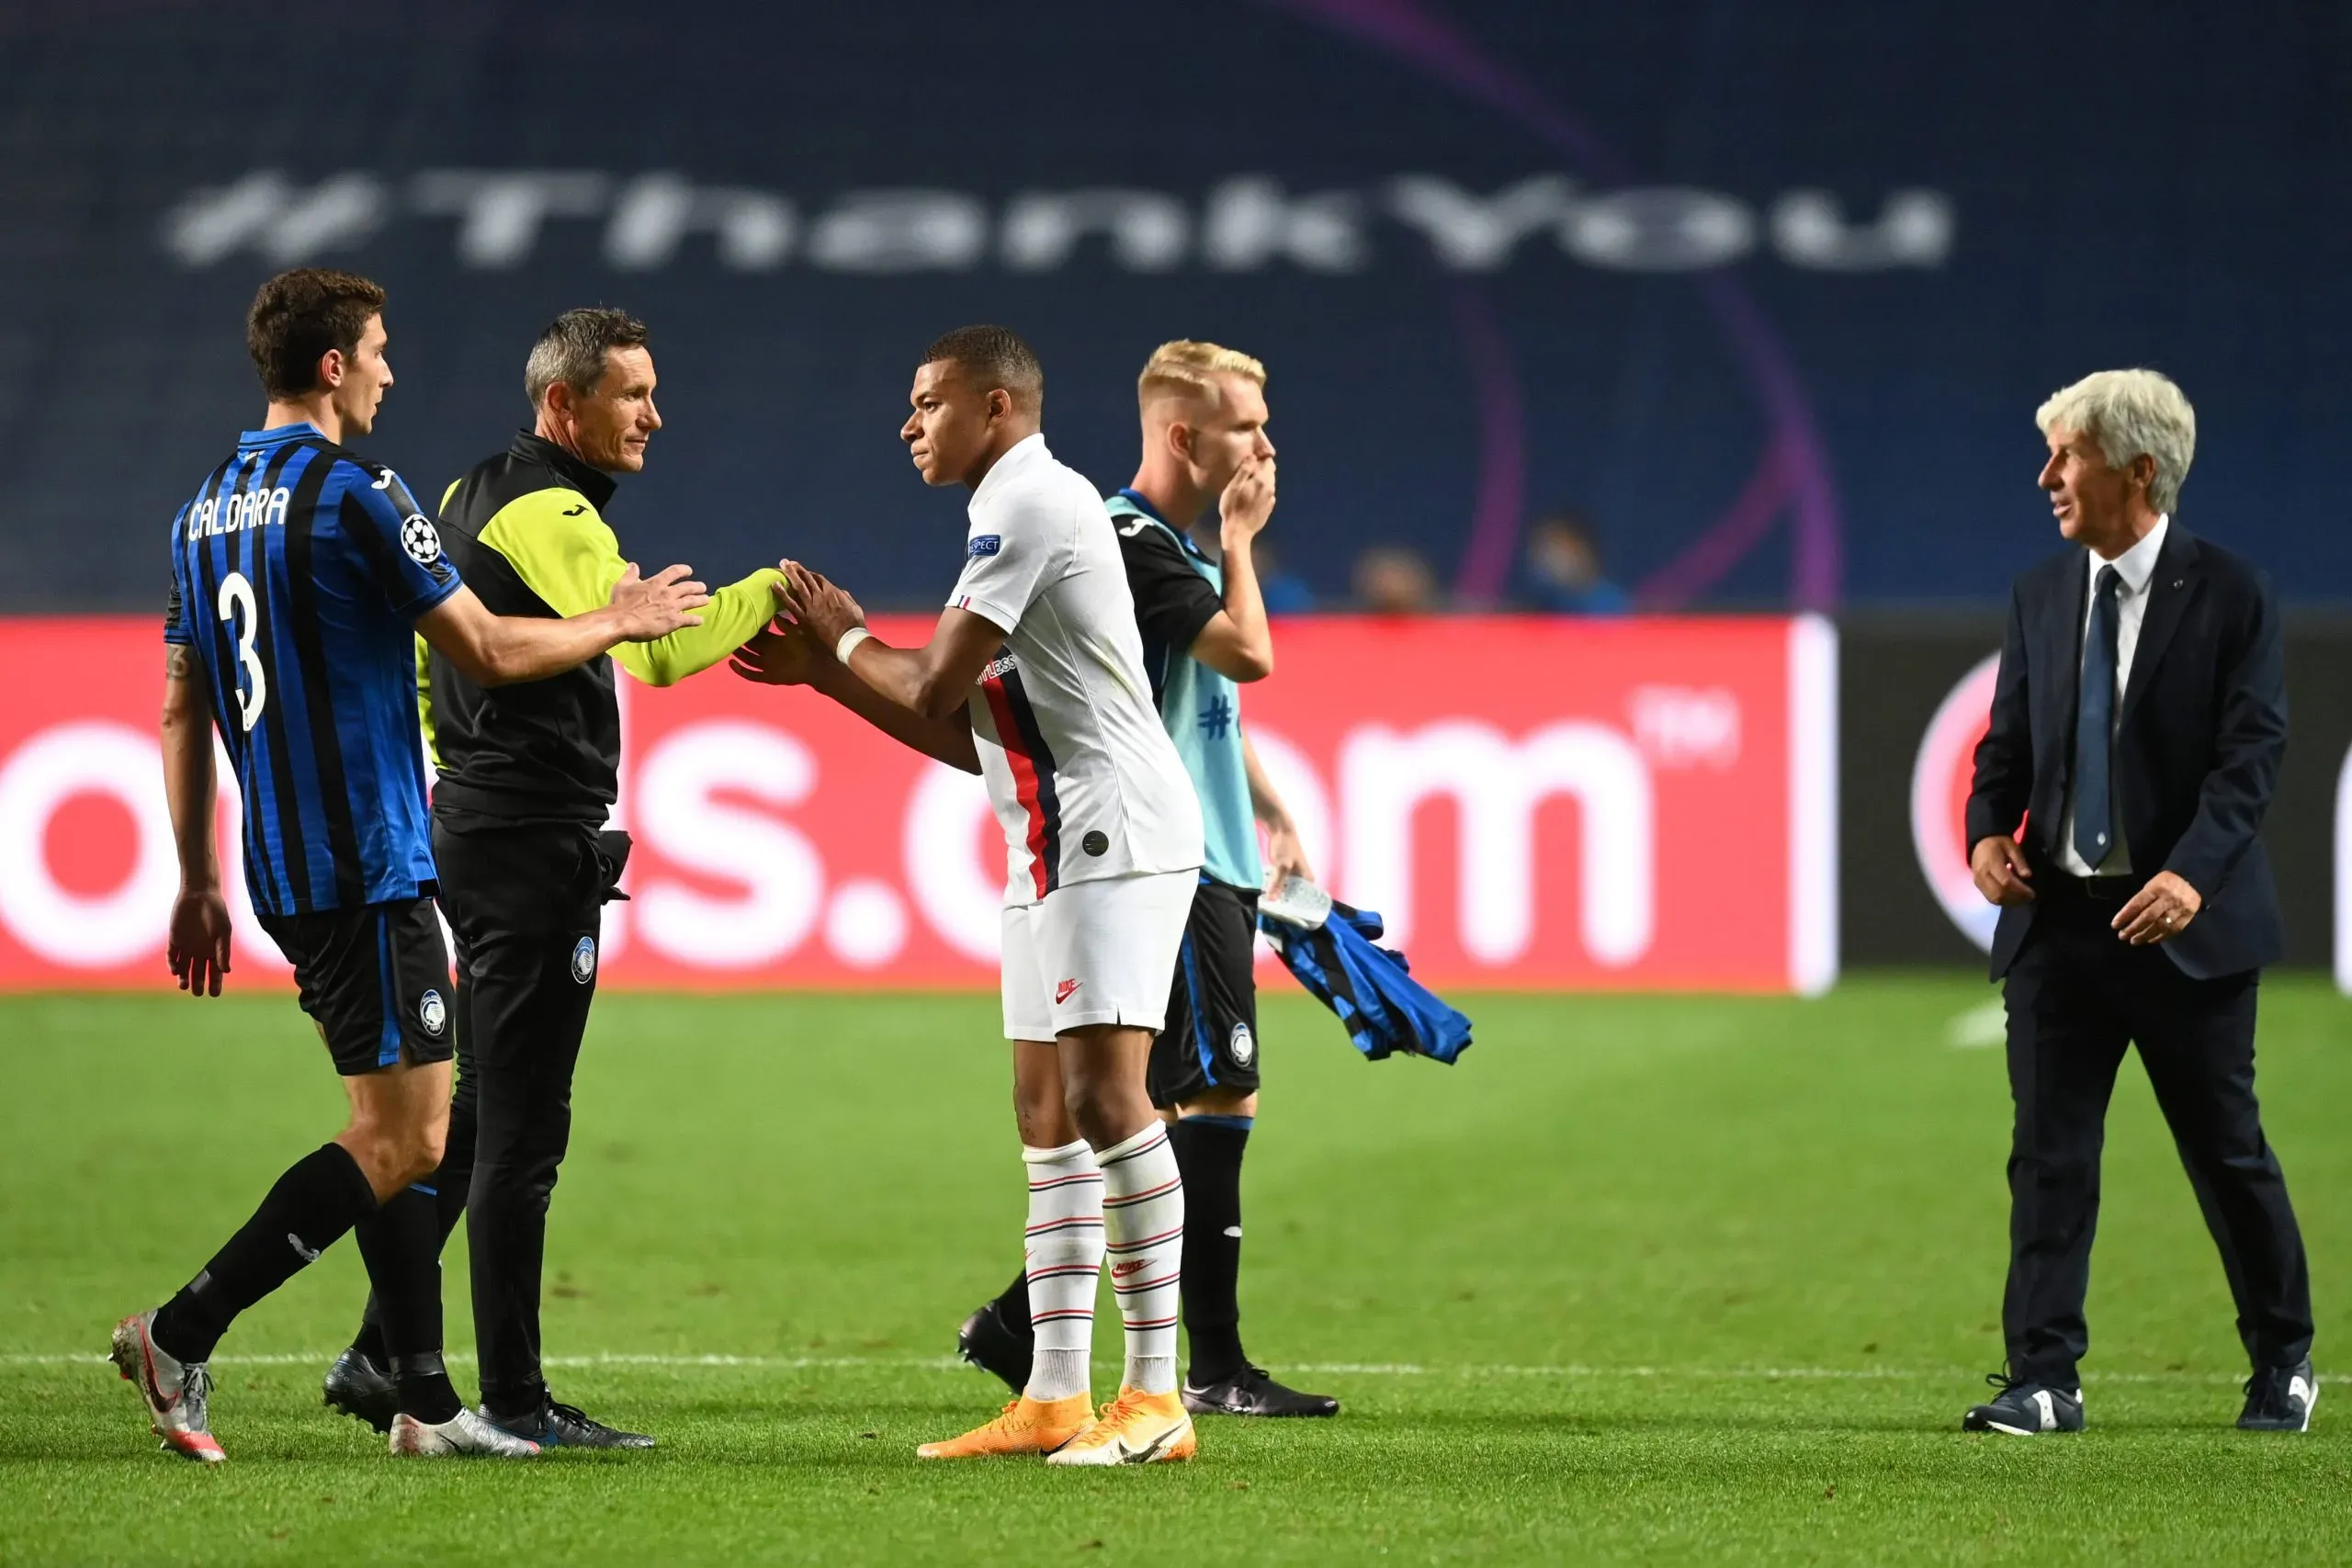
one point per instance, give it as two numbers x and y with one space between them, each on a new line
1648 1279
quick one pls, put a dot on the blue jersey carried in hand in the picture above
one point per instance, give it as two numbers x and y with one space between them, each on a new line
297 572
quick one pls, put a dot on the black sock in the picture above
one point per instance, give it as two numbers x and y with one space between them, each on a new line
517 1405
369 1340
320 1196
423 1387
402 1242
450 1185
1208 1156
1012 1307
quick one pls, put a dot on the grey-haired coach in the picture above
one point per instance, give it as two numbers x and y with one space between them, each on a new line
2137 730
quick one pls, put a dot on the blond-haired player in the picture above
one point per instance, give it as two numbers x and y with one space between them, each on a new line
1201 492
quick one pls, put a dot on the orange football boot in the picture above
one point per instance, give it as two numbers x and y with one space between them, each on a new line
1134 1428
1026 1426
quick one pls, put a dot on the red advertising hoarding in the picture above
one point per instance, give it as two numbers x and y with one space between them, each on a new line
1532 804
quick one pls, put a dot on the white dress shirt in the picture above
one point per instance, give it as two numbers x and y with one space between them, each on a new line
2134 569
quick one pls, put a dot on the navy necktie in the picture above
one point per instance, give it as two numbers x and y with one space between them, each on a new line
2095 728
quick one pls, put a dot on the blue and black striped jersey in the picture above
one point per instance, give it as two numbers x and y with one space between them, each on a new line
298 570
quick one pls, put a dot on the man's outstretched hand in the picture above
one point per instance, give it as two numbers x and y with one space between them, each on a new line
653 607
781 655
824 610
200 942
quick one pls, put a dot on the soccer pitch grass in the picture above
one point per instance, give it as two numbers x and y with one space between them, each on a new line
1642 1280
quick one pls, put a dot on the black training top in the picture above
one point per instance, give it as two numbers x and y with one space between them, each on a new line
536 751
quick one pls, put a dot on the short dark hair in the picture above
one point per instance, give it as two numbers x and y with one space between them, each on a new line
572 349
993 357
298 316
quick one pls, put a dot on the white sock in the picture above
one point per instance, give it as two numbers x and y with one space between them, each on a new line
1143 1222
1064 1253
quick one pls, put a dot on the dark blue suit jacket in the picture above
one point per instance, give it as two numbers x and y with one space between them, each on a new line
2203 727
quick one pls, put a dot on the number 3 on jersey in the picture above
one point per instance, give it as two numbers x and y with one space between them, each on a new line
237 595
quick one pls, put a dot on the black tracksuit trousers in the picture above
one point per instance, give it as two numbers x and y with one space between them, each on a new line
523 903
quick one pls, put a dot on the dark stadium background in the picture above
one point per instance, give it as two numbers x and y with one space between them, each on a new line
1748 419
2208 239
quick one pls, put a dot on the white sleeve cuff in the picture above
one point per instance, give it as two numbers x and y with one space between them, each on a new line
1005 620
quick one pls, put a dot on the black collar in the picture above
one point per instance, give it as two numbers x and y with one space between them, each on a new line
593 483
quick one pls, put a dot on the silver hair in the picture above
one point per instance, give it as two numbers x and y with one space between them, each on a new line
2130 413
572 348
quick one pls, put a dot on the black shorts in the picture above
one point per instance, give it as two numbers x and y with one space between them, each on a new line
1210 1040
376 980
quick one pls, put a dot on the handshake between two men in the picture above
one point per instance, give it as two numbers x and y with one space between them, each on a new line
914 695
788 652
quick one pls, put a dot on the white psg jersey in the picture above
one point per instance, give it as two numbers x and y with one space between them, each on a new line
1080 770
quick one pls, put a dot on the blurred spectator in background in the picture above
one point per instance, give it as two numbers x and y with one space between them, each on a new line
1393 581
1286 593
1564 569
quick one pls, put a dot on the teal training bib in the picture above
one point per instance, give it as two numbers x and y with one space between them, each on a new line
1202 712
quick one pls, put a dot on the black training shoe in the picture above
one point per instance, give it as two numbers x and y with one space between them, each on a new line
2025 1409
358 1387
2279 1399
1251 1392
993 1345
566 1426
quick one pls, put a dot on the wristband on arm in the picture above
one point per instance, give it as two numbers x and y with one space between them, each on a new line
848 644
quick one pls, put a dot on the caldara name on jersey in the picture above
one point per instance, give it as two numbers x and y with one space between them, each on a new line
216 516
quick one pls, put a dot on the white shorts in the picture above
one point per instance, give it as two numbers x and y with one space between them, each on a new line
1101 952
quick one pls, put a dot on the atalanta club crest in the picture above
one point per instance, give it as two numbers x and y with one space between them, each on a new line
434 1013
583 960
1243 1045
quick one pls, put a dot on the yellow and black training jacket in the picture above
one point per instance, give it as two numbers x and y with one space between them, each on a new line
527 531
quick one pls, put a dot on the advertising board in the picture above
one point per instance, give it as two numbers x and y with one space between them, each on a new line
1532 804
1916 701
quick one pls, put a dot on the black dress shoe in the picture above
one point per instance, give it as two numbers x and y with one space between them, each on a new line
358 1387
2279 1399
988 1342
1251 1392
557 1426
2025 1409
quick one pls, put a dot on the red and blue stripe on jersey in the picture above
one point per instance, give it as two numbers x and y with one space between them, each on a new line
296 582
1032 762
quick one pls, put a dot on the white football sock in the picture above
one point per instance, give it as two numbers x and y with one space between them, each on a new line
1063 1252
1143 1220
